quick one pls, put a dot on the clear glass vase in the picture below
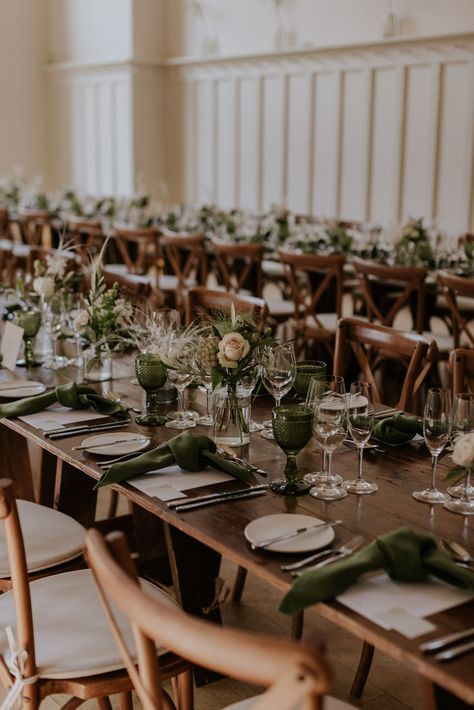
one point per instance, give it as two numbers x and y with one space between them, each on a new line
97 364
231 414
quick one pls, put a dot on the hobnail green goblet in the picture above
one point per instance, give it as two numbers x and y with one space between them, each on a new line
151 375
305 371
292 429
30 321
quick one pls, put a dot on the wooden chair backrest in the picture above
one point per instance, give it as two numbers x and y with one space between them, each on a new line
461 364
294 674
411 280
87 235
186 253
308 296
24 634
372 343
240 266
4 222
137 247
32 226
203 302
136 288
453 286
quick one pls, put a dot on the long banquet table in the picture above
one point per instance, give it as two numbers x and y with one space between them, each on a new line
219 528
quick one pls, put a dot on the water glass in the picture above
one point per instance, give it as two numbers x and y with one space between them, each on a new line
462 423
436 432
53 323
278 374
292 429
360 418
318 388
330 430
151 375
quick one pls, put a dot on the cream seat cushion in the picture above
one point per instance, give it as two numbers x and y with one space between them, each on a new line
328 321
169 282
328 704
273 269
72 634
51 538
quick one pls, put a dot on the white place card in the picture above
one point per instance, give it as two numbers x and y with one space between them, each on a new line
409 625
57 416
11 344
151 483
165 491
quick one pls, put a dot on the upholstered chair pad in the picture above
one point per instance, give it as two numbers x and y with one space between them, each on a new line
72 634
51 538
169 282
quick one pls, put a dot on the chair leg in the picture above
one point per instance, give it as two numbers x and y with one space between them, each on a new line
72 703
297 621
362 672
239 585
104 703
125 701
185 691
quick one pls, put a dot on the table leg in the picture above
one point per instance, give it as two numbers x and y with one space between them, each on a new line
74 493
47 478
15 462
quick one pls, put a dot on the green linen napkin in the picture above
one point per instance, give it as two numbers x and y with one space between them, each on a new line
403 554
70 395
191 453
398 429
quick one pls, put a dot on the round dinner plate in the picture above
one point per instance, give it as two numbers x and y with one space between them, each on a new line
139 443
281 523
21 388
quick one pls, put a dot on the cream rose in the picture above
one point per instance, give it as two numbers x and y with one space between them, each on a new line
463 452
44 286
232 348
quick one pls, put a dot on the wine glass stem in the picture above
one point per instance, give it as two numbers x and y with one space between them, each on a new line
360 451
291 470
180 403
208 398
28 351
277 400
434 464
467 484
329 462
55 349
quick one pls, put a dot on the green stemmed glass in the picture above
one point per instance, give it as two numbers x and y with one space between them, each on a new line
151 375
292 429
30 321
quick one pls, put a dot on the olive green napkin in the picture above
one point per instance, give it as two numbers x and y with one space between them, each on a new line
398 429
71 395
191 453
403 554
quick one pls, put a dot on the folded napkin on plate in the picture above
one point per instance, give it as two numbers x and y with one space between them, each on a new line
71 395
398 429
191 453
402 554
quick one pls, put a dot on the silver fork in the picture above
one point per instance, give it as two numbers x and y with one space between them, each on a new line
342 551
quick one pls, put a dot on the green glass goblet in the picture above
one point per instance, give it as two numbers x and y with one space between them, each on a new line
30 321
292 429
305 371
151 375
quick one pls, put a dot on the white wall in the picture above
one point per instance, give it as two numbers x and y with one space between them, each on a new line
23 51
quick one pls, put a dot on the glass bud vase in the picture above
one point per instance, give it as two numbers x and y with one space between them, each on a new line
231 414
97 364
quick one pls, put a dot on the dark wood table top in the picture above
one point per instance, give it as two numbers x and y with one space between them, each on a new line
397 472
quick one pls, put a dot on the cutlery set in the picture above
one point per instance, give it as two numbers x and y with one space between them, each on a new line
331 555
263 544
204 500
451 646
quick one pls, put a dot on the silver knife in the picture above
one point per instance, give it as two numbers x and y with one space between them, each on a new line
223 494
83 430
222 499
294 533
455 651
443 641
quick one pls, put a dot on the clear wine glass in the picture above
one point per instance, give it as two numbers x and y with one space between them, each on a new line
360 417
248 382
462 423
278 375
53 323
181 353
318 387
436 431
205 377
330 430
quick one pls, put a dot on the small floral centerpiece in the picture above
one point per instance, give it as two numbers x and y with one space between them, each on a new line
53 275
463 458
104 323
414 247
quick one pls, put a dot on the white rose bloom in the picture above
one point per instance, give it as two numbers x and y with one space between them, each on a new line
232 348
463 452
81 319
44 286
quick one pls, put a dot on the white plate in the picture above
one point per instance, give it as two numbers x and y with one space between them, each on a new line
115 449
280 523
21 388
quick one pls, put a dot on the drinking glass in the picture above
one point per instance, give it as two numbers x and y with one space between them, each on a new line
319 387
151 375
292 429
278 374
53 323
462 423
436 431
306 370
78 306
30 321
205 376
360 419
248 382
181 353
330 430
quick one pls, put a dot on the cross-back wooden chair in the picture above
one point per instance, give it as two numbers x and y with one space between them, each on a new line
86 235
135 288
35 227
203 302
458 292
63 643
186 255
316 282
372 344
6 243
461 364
138 248
296 677
408 282
239 266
